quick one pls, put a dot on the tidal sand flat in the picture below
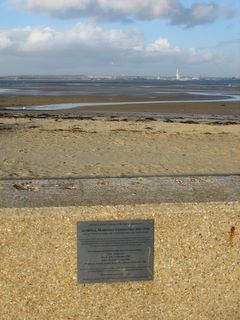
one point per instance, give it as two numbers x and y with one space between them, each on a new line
171 105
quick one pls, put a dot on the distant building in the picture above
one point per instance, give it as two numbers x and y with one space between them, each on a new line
178 77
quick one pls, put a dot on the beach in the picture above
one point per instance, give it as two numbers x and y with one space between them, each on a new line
148 134
36 147
176 164
119 160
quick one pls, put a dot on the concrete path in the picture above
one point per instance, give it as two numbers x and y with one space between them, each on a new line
22 193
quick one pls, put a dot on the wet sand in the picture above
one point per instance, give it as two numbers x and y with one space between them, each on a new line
223 110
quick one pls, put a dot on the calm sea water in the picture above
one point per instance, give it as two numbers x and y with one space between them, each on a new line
148 88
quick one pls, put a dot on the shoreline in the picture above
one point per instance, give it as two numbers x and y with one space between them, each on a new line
138 140
198 111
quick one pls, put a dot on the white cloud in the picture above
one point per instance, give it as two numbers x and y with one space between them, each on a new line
200 55
84 37
38 39
161 45
4 41
88 48
115 10
81 36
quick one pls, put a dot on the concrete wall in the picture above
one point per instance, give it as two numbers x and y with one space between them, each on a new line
196 265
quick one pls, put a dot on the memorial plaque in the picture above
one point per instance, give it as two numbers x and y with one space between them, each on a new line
115 250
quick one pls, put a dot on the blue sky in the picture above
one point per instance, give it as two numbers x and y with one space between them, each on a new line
151 37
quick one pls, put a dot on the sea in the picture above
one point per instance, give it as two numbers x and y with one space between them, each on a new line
122 87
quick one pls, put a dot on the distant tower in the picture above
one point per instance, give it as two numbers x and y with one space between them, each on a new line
178 75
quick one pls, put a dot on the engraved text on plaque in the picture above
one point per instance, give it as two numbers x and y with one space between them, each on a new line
115 250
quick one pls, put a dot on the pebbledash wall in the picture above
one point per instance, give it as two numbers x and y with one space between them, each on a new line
196 248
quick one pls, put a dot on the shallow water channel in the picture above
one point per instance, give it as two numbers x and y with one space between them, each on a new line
215 97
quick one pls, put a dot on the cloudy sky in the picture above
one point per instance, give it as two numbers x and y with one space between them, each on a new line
116 37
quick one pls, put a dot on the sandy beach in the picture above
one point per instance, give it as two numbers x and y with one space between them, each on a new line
127 140
55 147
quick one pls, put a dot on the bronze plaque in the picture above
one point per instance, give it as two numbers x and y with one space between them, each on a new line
115 250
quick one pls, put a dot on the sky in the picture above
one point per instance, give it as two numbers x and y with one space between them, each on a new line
120 37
